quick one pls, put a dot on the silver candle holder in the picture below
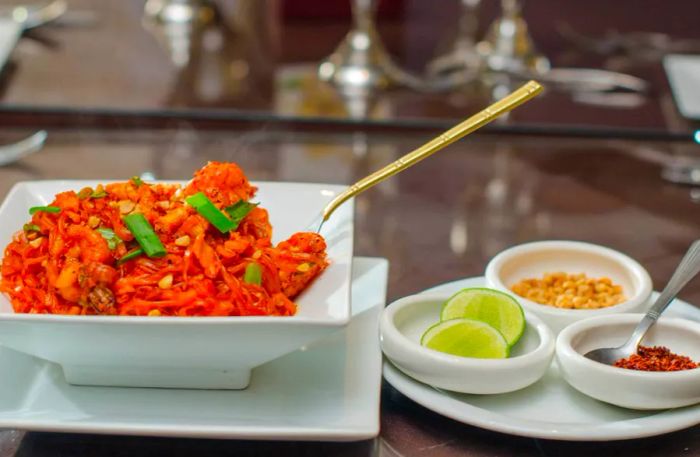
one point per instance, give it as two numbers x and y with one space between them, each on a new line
360 61
462 55
508 45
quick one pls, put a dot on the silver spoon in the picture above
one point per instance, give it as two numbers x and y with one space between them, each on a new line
31 18
587 80
686 270
12 152
22 18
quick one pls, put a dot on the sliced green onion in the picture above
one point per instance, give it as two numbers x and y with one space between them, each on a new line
137 181
46 209
253 274
210 212
31 228
85 192
144 234
112 239
98 194
239 210
130 255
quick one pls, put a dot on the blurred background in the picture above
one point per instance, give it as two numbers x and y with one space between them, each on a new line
386 62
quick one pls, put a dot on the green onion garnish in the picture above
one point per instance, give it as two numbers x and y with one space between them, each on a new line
210 212
31 228
137 181
253 274
98 194
238 211
112 239
130 255
145 235
46 209
85 192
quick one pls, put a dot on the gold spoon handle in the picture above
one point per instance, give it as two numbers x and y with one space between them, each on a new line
516 98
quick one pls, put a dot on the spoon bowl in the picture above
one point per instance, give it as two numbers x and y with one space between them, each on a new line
13 152
609 356
31 18
686 270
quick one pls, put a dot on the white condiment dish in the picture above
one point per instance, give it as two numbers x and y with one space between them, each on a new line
403 323
534 260
624 387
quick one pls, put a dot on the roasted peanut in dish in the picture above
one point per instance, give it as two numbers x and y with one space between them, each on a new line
570 291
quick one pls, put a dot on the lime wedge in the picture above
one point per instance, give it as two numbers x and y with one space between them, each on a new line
495 308
466 338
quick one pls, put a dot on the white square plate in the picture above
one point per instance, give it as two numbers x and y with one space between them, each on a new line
186 352
328 391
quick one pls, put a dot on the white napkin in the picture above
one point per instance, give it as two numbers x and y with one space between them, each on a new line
683 73
10 31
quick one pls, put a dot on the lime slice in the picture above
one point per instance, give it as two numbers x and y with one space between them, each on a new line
466 338
497 309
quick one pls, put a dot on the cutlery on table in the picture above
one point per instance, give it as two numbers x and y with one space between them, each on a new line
22 18
509 102
587 80
12 152
30 18
646 44
686 270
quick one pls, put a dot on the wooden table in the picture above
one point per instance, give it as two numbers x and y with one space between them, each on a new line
439 221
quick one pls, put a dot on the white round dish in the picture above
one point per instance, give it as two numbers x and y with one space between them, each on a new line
533 260
404 321
630 388
550 408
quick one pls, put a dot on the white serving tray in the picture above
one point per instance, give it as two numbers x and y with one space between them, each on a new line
550 408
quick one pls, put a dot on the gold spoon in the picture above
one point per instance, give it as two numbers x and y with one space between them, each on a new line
516 98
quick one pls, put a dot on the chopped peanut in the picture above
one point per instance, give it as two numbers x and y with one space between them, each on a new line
36 243
571 291
166 282
93 221
183 241
126 206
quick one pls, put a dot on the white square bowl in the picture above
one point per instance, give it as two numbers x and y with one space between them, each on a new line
186 352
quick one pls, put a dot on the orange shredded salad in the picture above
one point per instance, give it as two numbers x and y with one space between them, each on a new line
62 263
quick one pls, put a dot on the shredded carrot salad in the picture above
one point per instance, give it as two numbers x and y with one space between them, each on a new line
77 255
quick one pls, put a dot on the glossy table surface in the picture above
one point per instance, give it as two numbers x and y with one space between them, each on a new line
439 221
260 59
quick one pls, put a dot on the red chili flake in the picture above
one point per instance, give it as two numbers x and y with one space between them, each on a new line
657 358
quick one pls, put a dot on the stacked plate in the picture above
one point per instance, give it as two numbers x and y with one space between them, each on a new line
312 376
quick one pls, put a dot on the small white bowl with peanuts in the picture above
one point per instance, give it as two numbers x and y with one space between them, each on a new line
563 282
